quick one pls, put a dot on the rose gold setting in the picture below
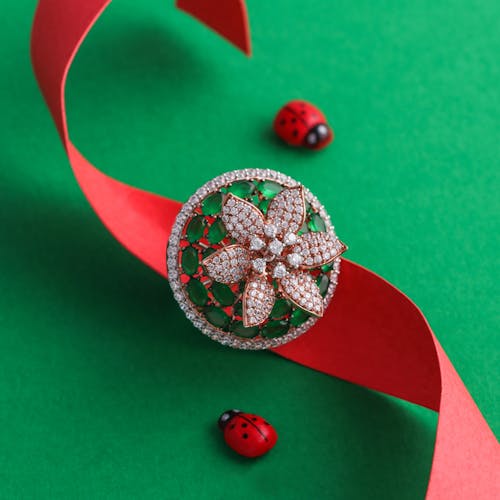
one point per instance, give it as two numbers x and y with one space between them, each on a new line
263 249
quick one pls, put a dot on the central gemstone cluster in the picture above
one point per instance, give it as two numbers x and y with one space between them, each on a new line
271 250
270 254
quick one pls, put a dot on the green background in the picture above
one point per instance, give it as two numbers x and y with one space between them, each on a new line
106 390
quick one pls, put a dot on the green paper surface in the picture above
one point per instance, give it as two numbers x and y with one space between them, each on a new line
106 390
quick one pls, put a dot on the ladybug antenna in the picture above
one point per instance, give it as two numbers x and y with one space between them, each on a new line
226 417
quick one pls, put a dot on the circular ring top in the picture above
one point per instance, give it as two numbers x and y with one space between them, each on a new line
253 259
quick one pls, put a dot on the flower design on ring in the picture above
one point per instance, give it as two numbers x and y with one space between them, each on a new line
269 248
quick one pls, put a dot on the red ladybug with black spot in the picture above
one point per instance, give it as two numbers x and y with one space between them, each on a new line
299 123
247 434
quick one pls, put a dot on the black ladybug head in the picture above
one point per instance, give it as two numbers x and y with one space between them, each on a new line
226 417
318 136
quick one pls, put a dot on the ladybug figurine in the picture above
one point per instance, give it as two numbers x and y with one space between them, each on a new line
247 434
299 123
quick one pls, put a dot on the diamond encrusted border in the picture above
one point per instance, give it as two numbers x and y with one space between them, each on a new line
187 210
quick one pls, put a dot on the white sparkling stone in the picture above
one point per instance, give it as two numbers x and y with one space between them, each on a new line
290 239
256 243
279 271
259 265
294 259
270 230
275 247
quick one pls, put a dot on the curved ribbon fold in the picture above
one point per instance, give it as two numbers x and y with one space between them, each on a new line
371 335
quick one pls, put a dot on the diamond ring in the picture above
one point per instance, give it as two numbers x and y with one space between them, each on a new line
253 259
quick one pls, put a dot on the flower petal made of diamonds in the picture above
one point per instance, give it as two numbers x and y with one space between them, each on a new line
243 220
318 249
258 301
302 290
228 265
287 210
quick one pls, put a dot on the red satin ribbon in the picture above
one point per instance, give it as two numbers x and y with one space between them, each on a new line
372 334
